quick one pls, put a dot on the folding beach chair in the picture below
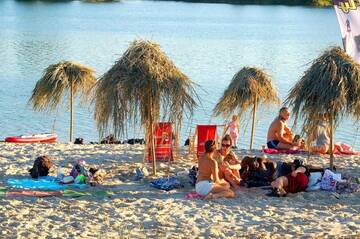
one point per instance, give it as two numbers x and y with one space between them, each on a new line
163 142
204 133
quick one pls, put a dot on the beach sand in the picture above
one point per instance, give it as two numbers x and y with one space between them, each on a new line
135 210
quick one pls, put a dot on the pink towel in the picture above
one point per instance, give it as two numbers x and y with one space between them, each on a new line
33 193
193 195
344 149
339 149
278 151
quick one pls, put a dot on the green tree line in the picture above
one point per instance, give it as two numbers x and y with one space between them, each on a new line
316 3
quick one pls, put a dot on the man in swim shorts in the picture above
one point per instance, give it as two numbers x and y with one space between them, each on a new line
279 134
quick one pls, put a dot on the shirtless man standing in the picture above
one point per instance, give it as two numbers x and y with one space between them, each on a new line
279 134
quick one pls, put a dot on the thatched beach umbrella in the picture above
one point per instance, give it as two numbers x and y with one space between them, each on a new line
56 80
249 88
328 90
143 84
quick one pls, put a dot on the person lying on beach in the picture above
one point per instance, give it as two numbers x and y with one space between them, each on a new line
258 171
208 182
294 182
279 134
229 168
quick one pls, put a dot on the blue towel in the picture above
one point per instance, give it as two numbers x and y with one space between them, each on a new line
42 183
166 184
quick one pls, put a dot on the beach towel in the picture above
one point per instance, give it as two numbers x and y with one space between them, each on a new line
193 195
76 193
3 191
166 184
32 193
344 149
42 183
204 133
163 142
280 151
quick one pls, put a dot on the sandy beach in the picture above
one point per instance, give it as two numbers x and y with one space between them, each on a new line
136 210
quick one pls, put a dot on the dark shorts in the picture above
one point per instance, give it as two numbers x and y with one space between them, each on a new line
273 144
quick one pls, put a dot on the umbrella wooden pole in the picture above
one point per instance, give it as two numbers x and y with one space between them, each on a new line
253 124
152 142
71 111
331 143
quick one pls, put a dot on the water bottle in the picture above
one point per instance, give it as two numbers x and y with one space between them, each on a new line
60 176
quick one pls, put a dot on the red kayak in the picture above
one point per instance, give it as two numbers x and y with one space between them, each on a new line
35 138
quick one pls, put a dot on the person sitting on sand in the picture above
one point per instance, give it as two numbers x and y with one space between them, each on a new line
258 169
228 162
208 182
280 135
322 139
294 182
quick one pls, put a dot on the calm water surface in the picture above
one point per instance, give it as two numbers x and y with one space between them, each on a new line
209 42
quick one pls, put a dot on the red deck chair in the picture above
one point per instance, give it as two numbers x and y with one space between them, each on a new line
204 133
163 142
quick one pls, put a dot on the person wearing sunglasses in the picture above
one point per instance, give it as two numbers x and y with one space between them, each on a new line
208 182
228 162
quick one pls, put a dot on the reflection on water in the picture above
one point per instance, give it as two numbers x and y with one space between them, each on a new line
209 42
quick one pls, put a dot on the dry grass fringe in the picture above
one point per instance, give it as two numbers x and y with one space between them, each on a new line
143 81
57 79
247 85
330 88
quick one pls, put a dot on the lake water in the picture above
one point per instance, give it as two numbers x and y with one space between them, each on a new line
208 42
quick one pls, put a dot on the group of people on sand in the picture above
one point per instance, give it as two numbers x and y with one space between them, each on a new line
281 137
221 173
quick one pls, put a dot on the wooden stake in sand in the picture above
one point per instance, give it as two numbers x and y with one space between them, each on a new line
253 124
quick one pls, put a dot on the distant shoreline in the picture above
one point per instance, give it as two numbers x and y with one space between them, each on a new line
309 3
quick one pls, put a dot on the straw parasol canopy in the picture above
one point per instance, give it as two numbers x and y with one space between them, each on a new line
142 85
328 90
65 76
249 88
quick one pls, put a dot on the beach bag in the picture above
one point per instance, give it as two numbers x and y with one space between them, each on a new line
79 141
41 167
193 175
166 184
329 180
